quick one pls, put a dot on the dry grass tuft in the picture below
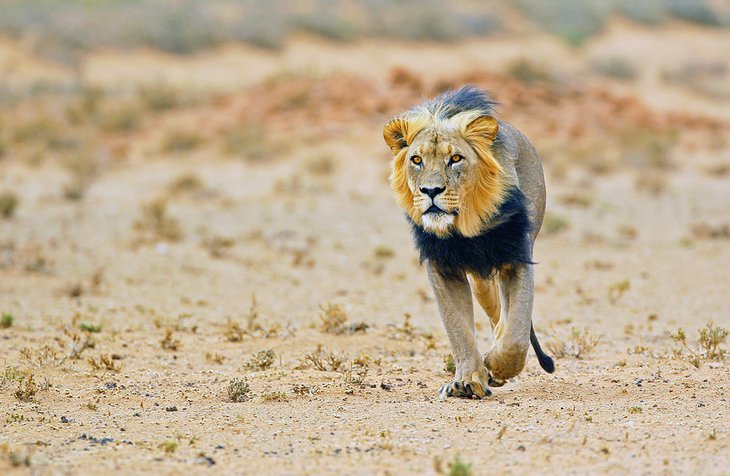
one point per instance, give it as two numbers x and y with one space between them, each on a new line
186 183
332 319
27 389
119 118
233 332
104 362
708 344
42 357
449 364
169 342
275 396
83 169
705 231
323 360
156 221
159 97
238 390
617 289
80 341
179 141
214 357
218 246
321 166
303 390
577 344
248 142
16 458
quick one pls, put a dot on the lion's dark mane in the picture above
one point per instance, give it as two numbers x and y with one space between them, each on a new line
504 242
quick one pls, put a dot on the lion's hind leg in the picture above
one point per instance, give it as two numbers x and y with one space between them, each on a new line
487 293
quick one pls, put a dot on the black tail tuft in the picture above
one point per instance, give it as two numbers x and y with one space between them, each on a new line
546 362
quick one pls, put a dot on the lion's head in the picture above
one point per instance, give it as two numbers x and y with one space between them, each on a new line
444 173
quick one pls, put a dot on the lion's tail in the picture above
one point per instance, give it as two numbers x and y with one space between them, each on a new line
546 362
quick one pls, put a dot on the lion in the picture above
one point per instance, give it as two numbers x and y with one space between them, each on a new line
473 191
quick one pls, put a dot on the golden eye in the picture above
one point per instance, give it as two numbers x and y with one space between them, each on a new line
456 158
416 160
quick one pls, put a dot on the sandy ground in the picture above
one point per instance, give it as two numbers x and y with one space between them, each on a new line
314 223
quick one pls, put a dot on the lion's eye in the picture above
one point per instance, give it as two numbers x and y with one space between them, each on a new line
456 158
416 160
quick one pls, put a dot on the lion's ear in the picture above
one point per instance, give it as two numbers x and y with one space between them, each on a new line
395 133
483 127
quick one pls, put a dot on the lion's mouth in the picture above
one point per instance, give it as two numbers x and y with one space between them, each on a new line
436 210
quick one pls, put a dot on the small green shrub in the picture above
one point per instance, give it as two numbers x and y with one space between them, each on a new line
8 203
6 320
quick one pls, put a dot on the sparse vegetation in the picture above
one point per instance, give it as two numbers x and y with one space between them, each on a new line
120 119
178 141
456 467
104 362
8 203
214 357
617 289
270 181
233 332
6 320
248 142
303 390
708 344
169 446
83 169
186 183
449 364
323 360
169 342
27 389
238 390
275 396
577 344
261 360
80 341
88 327
616 68
156 221
554 224
332 318
528 72
16 458
41 357
159 96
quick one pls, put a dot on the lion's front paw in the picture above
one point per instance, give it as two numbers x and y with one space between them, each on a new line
468 388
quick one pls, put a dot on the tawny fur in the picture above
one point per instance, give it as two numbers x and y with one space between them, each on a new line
497 157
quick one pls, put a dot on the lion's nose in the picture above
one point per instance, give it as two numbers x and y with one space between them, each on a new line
432 191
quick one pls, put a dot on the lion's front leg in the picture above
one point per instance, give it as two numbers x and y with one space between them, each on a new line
506 358
453 296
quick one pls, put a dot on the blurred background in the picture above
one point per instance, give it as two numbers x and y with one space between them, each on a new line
195 181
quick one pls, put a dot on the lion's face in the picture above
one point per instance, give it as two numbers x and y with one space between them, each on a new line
444 175
438 165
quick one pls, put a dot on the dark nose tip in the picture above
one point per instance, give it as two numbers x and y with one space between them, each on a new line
432 191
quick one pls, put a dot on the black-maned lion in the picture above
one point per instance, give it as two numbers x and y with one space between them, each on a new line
474 192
